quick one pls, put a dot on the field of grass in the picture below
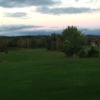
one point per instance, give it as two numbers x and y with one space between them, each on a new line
44 75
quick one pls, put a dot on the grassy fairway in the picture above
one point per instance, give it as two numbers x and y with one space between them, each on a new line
44 75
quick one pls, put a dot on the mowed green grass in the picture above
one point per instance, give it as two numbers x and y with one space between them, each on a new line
39 74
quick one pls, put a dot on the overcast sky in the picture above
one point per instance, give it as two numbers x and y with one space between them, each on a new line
21 15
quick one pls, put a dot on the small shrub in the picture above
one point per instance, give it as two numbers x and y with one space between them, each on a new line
82 54
93 52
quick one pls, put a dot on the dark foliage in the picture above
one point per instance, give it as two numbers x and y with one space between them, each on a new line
54 42
73 41
70 42
93 52
3 45
83 54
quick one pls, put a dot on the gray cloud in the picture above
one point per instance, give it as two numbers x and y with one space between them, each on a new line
12 28
22 30
16 14
31 32
76 0
88 1
25 3
90 32
47 32
65 10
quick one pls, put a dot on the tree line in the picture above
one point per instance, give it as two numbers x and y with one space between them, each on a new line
71 41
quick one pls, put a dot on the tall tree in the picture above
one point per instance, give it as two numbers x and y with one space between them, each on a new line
73 40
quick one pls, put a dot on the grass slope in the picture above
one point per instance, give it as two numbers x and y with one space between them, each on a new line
43 75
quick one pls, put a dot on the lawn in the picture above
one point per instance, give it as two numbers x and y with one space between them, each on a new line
39 74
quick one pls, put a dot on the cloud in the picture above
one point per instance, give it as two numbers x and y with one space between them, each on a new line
31 32
76 0
16 14
25 3
86 1
91 32
13 28
47 32
65 10
23 30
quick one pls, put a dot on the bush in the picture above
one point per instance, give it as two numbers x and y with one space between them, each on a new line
93 52
3 46
82 54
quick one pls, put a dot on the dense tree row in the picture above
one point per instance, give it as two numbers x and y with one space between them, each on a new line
70 41
24 41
